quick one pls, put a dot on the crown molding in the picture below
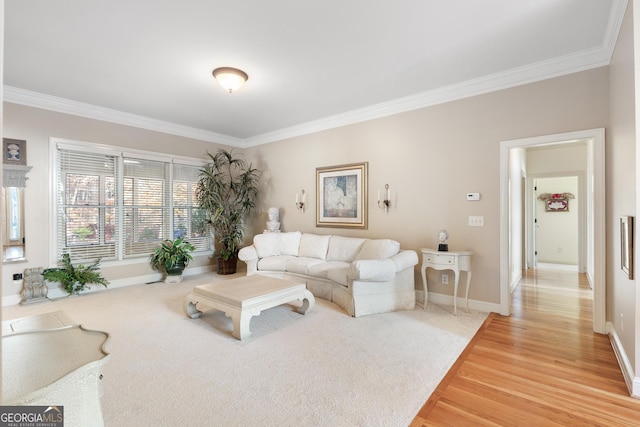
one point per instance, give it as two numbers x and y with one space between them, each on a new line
556 67
62 105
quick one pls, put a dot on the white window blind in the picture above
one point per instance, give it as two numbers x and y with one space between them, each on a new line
113 206
87 211
189 221
146 205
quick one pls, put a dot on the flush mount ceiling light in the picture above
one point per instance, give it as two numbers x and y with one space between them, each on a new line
230 78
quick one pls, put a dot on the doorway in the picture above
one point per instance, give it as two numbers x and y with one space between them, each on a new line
556 226
594 218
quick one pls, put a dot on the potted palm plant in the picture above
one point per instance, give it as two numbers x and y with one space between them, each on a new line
227 190
75 279
171 258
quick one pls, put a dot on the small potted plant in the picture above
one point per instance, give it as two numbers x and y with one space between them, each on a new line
172 257
75 279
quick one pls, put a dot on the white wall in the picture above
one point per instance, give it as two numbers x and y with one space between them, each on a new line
430 157
622 165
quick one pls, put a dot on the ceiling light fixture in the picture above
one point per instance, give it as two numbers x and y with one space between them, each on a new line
230 78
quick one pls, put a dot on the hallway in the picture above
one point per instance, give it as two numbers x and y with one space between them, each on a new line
542 366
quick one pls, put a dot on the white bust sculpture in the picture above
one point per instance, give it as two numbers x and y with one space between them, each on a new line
443 236
273 225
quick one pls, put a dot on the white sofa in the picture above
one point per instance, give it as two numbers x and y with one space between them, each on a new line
363 276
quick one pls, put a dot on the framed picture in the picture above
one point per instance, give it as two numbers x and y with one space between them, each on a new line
626 245
341 193
556 205
15 151
556 202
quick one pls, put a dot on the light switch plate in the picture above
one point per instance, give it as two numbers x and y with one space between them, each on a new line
473 196
476 221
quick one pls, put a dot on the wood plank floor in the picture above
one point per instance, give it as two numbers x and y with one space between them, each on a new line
541 366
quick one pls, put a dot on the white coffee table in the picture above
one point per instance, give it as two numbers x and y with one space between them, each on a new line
245 297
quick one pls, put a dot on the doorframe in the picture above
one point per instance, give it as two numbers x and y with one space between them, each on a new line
596 223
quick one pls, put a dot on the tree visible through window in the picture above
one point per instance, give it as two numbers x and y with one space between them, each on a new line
156 202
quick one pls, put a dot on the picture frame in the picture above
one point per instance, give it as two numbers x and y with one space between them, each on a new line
626 245
556 205
15 151
341 193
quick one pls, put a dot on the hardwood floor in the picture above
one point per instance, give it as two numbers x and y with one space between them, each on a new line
542 366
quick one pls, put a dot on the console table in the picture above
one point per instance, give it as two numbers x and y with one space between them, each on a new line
456 261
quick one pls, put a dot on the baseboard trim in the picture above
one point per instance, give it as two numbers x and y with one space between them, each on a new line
57 292
633 382
442 299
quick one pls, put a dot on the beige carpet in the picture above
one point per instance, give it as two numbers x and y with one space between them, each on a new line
322 369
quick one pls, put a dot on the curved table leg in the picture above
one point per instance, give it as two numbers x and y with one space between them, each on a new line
189 307
308 302
468 284
241 321
456 280
424 285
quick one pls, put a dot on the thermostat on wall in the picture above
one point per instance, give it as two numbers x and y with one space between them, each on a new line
473 196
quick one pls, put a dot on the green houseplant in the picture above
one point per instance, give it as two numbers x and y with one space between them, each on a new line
75 279
227 190
172 257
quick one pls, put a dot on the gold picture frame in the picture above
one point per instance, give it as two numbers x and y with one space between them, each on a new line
626 245
341 193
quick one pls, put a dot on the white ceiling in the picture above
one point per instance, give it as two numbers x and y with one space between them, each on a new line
312 65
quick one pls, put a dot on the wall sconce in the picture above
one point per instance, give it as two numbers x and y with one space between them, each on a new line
300 200
386 202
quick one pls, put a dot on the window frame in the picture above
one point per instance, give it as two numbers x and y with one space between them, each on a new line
205 243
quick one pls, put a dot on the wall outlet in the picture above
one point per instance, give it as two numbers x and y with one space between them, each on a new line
17 276
445 279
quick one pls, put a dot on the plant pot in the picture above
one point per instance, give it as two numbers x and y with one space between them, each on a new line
227 266
176 270
174 274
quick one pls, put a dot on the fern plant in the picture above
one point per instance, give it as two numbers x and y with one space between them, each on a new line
75 279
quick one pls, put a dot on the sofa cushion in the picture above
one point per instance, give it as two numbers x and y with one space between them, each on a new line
301 265
378 249
369 270
313 246
290 243
274 263
344 248
321 270
267 244
340 275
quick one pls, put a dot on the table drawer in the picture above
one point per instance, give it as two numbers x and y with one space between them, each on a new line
440 259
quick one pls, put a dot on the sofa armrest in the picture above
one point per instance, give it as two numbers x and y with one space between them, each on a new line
373 270
248 253
405 259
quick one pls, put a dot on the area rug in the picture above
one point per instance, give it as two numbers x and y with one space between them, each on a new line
321 369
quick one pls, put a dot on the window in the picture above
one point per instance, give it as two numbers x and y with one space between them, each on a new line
114 205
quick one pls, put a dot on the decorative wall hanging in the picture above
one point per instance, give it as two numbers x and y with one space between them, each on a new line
15 151
556 202
341 193
626 245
